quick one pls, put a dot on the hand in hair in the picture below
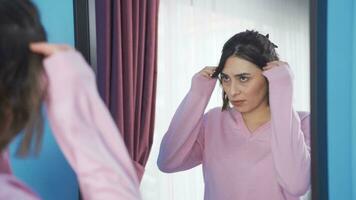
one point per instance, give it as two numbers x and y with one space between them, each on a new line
207 72
273 64
47 49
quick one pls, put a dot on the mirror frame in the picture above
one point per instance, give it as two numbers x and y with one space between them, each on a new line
318 84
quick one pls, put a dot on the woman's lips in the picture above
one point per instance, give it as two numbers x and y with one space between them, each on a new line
238 103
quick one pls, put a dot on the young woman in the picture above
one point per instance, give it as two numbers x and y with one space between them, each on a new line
256 146
79 119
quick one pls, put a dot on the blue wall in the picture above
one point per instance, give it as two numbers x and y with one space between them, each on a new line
49 174
353 104
341 99
57 17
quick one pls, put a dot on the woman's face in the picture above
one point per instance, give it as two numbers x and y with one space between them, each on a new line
244 84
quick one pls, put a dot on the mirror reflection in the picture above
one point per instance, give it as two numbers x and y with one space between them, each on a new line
192 35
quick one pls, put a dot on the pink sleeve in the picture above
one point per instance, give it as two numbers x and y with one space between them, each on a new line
290 147
182 145
10 187
13 189
85 131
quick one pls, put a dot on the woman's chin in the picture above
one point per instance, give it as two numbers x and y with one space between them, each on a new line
240 109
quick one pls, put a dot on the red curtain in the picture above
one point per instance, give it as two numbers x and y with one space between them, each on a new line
127 70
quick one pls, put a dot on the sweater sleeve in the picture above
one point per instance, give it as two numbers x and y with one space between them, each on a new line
289 142
13 189
85 131
10 187
182 145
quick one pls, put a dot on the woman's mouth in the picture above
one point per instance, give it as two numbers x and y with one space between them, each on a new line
238 103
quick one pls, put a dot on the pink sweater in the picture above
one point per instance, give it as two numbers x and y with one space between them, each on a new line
273 163
85 132
10 187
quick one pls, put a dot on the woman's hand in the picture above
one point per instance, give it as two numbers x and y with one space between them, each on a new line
278 71
47 49
207 72
273 64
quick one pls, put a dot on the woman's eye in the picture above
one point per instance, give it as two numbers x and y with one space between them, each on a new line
224 78
243 78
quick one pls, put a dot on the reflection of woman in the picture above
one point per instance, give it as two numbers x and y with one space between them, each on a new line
80 122
257 149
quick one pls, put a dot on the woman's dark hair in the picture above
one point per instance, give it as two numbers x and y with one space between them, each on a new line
22 75
249 45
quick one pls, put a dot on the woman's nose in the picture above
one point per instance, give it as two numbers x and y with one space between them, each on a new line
234 90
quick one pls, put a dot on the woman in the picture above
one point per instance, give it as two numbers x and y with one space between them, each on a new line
258 148
79 119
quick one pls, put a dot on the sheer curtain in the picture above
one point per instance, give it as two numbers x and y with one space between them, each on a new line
190 36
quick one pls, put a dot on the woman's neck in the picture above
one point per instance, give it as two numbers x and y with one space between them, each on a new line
258 116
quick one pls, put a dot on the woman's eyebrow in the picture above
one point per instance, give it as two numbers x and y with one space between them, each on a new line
222 73
242 74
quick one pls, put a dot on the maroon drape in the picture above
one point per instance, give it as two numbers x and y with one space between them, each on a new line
127 70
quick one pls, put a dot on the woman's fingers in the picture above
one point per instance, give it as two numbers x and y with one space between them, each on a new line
268 67
47 49
273 64
207 71
205 74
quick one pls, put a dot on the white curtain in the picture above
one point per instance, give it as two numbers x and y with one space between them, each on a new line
191 36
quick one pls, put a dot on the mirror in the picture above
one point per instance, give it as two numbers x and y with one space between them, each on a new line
191 36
